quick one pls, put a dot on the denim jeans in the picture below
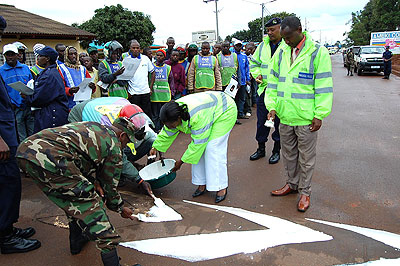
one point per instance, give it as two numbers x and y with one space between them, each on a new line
25 122
240 99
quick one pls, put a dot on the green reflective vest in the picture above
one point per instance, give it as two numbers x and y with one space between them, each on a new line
303 90
259 63
115 90
161 89
212 115
204 71
228 65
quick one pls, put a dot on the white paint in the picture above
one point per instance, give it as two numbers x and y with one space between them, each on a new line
385 237
202 247
155 170
157 214
380 262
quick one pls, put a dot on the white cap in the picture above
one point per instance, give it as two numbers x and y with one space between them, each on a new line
10 47
236 41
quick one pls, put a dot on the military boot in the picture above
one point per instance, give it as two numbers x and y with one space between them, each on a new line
260 152
111 258
76 238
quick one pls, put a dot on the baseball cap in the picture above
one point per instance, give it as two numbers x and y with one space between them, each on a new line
236 41
10 48
48 51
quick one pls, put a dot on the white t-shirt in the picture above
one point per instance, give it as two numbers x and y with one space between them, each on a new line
139 84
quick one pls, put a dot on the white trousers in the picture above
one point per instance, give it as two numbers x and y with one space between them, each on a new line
212 169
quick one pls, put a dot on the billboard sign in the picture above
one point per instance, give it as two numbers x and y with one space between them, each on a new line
387 38
204 36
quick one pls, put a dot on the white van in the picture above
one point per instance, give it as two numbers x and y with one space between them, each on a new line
369 59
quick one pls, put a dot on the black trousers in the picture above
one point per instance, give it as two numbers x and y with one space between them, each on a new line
143 101
387 68
10 191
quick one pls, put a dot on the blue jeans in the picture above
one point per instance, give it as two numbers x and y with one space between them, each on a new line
240 99
25 122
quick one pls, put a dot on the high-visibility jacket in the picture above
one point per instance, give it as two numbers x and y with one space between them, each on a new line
161 88
303 90
228 65
260 61
115 90
212 115
204 71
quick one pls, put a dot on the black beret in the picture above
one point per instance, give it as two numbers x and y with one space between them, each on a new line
3 23
273 22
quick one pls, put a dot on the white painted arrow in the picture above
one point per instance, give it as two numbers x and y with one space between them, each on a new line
202 247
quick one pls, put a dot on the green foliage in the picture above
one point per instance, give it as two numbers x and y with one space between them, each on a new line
119 23
254 33
377 15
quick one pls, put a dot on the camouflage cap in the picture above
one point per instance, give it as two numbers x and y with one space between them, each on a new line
127 126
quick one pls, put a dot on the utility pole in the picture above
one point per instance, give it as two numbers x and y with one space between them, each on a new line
262 16
216 14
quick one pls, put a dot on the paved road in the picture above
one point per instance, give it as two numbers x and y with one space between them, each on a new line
356 182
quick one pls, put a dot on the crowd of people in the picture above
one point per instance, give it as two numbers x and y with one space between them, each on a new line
79 151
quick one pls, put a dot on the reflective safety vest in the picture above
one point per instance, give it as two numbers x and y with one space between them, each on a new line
204 71
228 65
260 61
303 90
212 115
115 90
161 89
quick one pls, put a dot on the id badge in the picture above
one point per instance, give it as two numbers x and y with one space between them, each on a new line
303 75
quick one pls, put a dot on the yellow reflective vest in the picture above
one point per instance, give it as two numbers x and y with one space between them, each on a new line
303 90
212 115
259 62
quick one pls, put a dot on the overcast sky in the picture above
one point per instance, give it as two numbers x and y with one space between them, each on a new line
326 19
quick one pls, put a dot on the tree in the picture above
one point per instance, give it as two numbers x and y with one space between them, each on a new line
377 15
119 23
253 34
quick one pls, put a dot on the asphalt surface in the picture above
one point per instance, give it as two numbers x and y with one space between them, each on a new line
356 182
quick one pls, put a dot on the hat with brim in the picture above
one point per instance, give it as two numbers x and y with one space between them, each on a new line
10 48
49 52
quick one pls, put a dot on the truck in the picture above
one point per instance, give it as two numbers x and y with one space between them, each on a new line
369 58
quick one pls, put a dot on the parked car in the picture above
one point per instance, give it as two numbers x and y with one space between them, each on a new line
369 58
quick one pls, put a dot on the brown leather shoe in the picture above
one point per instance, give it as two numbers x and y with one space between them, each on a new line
283 191
304 203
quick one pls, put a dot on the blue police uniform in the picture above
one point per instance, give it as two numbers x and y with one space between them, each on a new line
10 179
387 65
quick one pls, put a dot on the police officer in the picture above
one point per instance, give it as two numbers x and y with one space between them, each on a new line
387 63
12 240
259 68
70 164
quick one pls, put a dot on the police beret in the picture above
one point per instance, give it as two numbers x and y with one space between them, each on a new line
273 22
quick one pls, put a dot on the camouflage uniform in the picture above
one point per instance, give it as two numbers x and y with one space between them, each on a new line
65 161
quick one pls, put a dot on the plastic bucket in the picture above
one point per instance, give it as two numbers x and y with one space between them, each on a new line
157 175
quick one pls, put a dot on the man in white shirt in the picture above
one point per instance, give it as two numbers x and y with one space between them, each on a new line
141 85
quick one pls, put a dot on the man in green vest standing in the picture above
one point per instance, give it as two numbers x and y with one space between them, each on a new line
259 68
204 71
300 92
228 64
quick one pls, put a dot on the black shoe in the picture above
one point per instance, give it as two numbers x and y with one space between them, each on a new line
351 74
198 192
77 239
122 181
258 154
274 158
15 244
238 122
218 199
242 117
24 233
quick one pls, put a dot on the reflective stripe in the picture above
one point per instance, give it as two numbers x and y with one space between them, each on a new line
224 102
324 90
264 76
261 47
253 66
255 61
280 93
303 81
264 66
280 61
161 90
272 86
276 75
303 96
282 79
323 75
200 141
170 133
202 130
204 106
313 55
